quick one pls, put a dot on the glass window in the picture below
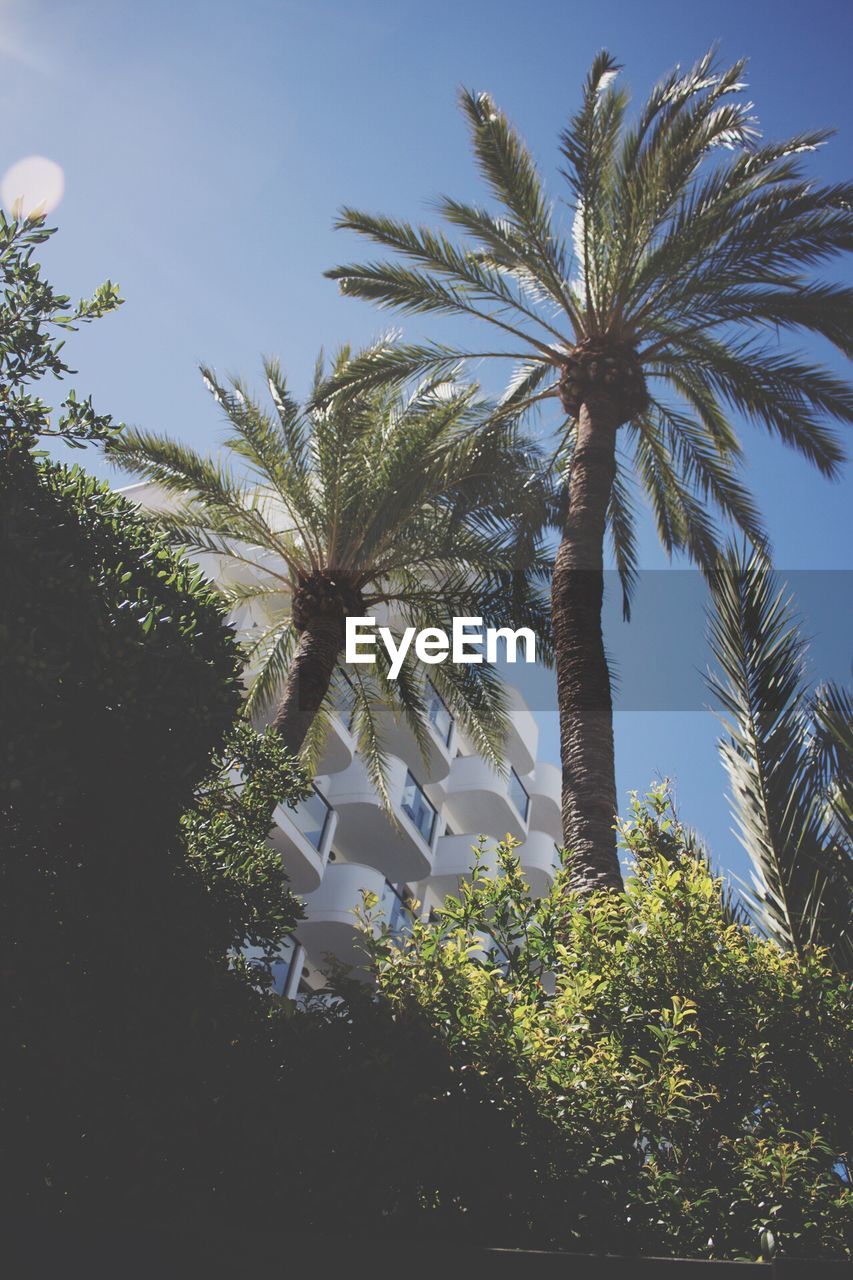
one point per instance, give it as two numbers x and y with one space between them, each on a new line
312 816
439 716
282 966
395 900
517 793
416 807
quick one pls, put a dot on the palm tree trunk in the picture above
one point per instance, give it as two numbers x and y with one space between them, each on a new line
583 678
308 679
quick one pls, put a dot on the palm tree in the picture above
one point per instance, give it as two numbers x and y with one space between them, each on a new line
380 502
788 754
688 237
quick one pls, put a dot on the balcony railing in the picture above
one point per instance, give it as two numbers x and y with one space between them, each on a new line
311 817
418 809
439 716
518 794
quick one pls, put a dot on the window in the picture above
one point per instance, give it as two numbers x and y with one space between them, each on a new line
517 793
312 817
395 908
286 966
439 716
418 809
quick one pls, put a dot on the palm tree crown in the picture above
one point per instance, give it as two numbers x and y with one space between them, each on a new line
379 502
691 239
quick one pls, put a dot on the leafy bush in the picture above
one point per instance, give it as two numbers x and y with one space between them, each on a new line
228 854
115 657
677 1084
137 1064
384 1133
130 866
33 320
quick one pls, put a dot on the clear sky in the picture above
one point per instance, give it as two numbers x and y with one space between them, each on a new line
207 144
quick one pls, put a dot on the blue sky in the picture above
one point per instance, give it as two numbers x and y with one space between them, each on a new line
207 146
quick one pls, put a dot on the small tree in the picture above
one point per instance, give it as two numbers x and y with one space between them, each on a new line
33 318
225 840
387 501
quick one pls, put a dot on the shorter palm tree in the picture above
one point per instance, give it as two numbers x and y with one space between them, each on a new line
788 754
385 502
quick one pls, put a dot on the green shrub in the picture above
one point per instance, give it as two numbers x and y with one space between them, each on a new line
34 320
678 1085
130 867
227 852
138 1071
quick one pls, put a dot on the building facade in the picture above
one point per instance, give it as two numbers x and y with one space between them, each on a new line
341 841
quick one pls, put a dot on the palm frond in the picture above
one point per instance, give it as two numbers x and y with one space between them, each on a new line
588 145
778 391
621 522
476 695
800 894
534 249
423 289
366 716
268 658
832 755
683 523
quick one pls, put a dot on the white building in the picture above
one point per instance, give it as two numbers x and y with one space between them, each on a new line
340 841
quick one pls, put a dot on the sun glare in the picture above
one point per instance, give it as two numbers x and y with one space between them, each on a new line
34 184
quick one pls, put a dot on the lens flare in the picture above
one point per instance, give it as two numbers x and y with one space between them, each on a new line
32 185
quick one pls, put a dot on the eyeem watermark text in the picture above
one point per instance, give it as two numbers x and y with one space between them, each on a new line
433 645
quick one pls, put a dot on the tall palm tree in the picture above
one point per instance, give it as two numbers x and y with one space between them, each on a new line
788 753
408 504
689 236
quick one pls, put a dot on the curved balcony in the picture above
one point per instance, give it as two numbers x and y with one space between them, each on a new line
546 787
539 862
454 857
303 836
339 748
523 737
400 741
441 740
480 800
330 927
402 851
